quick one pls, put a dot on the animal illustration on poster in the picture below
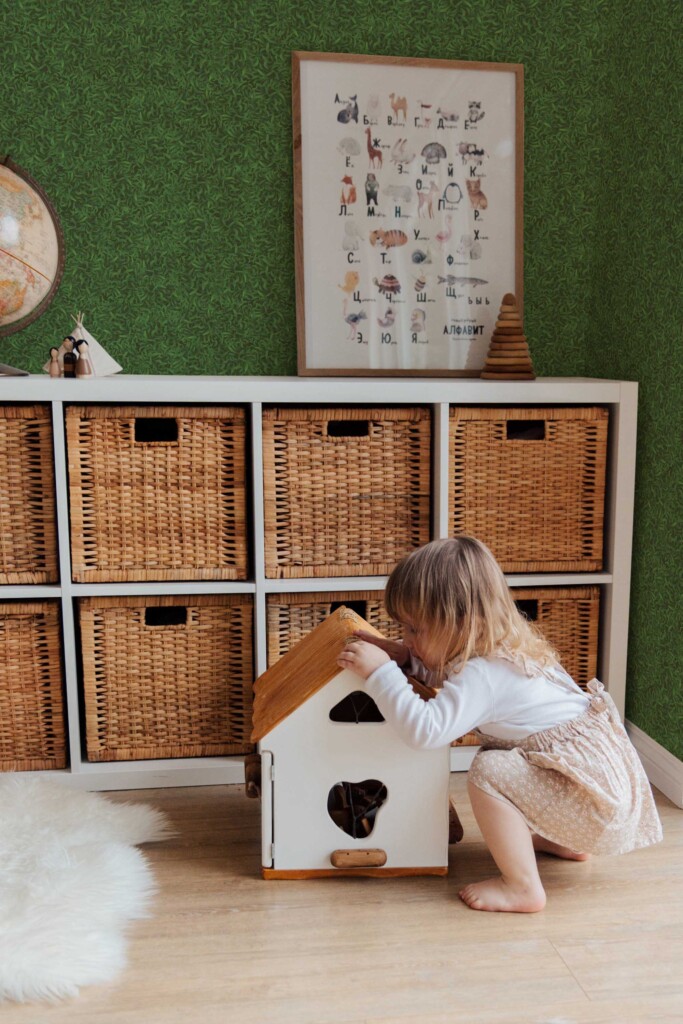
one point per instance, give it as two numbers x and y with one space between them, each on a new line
405 162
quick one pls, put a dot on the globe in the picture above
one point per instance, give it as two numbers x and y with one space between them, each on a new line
31 249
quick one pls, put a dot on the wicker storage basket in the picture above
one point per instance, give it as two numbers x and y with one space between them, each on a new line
28 538
346 490
530 483
568 617
32 730
157 493
167 676
290 617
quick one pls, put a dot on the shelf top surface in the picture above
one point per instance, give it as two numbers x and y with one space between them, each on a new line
159 388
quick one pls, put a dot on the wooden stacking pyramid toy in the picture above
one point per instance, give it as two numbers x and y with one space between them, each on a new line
508 356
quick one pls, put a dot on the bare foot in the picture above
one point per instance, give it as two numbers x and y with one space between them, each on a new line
543 845
497 894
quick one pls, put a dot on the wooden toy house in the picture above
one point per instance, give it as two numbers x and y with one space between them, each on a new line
342 794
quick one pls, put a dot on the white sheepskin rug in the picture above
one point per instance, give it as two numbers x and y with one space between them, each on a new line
70 881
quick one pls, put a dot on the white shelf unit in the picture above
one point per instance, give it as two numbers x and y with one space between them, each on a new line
620 397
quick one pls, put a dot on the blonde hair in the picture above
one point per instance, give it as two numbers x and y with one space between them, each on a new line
454 590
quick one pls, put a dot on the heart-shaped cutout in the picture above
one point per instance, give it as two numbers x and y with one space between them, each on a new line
353 806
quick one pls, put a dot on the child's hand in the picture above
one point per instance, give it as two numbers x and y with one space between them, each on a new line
396 649
362 658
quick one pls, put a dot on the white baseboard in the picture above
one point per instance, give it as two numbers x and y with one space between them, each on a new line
462 758
663 769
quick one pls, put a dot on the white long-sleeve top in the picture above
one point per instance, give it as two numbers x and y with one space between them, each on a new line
492 694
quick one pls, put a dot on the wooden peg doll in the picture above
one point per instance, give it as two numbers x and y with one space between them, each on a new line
70 357
55 368
84 365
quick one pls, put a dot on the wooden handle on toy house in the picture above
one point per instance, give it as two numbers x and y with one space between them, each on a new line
252 776
358 858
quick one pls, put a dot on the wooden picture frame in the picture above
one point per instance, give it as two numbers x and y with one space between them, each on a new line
408 203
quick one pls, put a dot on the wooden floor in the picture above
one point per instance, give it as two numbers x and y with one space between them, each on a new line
225 947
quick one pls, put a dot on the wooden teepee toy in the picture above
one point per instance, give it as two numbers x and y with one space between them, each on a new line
508 356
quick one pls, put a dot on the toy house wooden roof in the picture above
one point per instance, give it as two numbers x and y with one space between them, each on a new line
303 670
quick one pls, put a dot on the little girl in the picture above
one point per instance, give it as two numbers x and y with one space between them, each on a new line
556 771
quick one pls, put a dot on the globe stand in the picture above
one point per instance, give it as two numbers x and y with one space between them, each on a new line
12 371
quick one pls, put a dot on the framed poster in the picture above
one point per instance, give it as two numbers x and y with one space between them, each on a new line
408 178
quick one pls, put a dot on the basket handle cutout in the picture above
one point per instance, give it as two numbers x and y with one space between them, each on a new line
528 608
171 615
359 607
156 430
525 430
348 428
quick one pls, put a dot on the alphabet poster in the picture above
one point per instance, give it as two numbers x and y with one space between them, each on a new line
408 200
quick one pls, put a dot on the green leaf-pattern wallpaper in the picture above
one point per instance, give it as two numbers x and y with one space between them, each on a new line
161 129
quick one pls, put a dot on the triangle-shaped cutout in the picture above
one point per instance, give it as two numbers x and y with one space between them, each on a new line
356 707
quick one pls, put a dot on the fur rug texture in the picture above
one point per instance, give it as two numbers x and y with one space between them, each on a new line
71 879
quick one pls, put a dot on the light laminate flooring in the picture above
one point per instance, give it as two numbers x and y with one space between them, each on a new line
225 947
